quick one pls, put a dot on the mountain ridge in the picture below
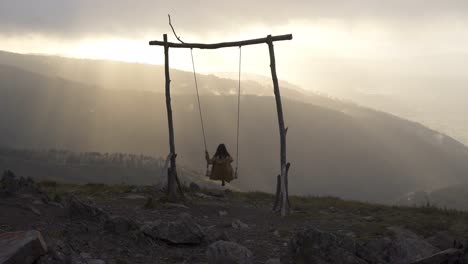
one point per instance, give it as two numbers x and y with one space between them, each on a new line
336 150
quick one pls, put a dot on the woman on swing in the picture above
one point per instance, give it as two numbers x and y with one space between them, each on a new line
221 169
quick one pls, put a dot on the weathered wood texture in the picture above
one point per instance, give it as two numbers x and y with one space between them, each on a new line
278 189
284 206
172 171
220 45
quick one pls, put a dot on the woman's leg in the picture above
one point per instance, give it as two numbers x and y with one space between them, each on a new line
222 183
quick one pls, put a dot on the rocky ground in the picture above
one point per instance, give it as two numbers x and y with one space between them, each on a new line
96 224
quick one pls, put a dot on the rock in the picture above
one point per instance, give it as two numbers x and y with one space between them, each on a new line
119 225
194 187
182 231
21 247
37 202
444 240
315 246
85 255
79 209
369 218
238 224
405 247
213 235
276 233
34 210
273 261
222 213
217 194
201 195
224 252
448 256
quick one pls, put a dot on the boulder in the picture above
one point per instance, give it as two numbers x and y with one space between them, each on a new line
21 247
184 230
224 252
80 209
315 246
448 256
9 183
404 247
444 240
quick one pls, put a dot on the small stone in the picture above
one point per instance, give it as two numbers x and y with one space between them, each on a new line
184 230
34 210
276 233
369 218
201 195
238 224
85 255
222 213
37 202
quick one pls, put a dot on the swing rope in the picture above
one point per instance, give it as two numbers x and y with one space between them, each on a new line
238 109
238 112
199 104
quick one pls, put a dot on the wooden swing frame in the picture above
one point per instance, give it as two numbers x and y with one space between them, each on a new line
282 185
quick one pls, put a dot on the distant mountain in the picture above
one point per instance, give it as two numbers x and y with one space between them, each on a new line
336 148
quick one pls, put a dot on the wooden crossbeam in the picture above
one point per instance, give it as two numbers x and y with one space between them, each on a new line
222 44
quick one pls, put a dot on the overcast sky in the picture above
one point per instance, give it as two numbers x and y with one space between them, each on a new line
324 31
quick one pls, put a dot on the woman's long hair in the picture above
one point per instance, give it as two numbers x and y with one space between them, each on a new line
221 152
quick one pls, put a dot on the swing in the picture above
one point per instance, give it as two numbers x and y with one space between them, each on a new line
208 171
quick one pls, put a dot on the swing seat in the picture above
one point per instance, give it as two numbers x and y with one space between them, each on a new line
221 170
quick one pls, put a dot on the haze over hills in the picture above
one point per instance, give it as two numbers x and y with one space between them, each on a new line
428 89
336 148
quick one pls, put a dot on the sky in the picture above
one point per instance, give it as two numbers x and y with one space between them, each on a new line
328 35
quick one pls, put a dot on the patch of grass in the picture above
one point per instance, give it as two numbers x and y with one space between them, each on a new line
252 197
424 220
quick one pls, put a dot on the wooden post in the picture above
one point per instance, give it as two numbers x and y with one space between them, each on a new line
283 199
172 171
278 188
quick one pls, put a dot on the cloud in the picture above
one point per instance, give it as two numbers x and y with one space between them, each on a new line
71 18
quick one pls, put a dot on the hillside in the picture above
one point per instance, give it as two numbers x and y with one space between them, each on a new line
121 224
335 148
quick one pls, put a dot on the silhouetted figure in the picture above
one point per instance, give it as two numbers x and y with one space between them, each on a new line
221 169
